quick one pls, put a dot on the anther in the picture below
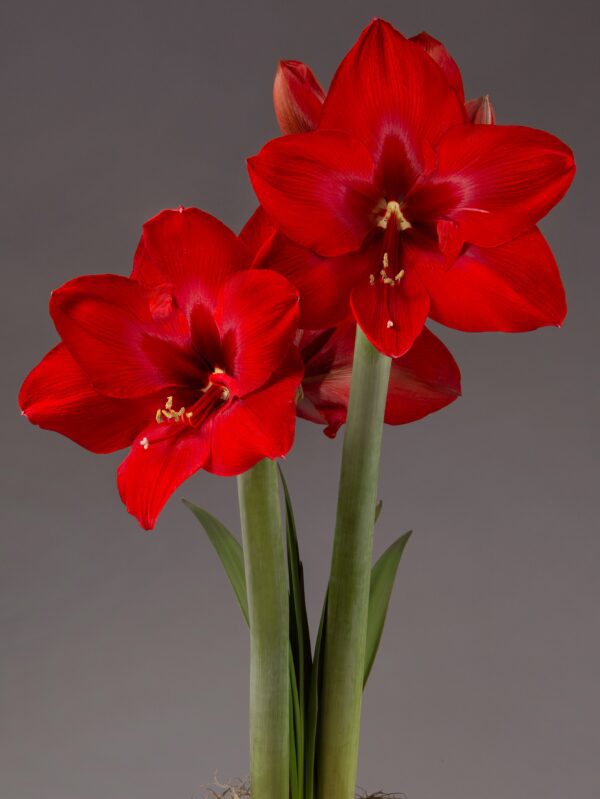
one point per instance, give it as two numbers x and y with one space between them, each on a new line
144 443
389 324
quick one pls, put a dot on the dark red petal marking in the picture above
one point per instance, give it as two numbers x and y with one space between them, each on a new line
257 317
383 94
495 181
317 189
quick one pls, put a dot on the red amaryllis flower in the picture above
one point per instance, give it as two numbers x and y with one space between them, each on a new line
424 380
190 361
399 206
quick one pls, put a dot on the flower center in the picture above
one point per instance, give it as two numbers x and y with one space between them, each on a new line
394 223
393 211
211 396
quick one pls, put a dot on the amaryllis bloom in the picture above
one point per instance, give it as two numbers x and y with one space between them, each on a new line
190 361
423 381
400 208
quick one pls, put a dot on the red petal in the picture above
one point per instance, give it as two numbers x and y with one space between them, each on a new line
328 359
189 253
481 111
57 395
324 283
423 381
106 321
443 59
159 461
257 315
511 288
257 234
391 95
496 181
260 425
391 316
317 189
297 96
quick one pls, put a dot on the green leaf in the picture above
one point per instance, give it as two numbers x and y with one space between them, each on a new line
299 630
312 710
229 551
382 582
295 777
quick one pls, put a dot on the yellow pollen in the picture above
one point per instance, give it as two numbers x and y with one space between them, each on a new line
167 413
385 278
393 209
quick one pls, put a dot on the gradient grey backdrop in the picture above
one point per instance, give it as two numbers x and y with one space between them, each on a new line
123 663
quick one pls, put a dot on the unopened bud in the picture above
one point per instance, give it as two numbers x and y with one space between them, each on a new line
481 111
298 97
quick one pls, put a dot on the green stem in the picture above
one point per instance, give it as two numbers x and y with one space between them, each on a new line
348 597
265 566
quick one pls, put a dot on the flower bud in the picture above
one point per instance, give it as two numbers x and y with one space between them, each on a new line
297 96
481 111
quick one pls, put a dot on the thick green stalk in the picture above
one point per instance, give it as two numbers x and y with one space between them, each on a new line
265 566
348 597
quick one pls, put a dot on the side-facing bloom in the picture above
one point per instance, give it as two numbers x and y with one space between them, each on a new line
190 361
399 207
423 381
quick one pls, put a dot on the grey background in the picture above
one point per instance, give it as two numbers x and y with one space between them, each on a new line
123 663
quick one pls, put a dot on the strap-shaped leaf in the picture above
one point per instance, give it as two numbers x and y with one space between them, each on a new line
312 710
382 582
229 551
299 630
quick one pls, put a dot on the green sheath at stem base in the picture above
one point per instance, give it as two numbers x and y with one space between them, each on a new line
265 566
348 597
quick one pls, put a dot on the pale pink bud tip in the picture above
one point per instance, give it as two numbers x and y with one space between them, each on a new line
481 111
